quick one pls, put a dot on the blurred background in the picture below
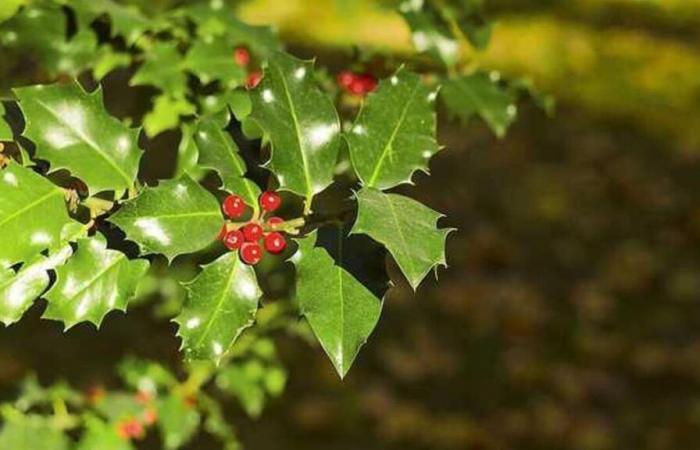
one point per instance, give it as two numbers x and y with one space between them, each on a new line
569 317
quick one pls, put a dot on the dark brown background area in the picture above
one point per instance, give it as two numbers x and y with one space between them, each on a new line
569 315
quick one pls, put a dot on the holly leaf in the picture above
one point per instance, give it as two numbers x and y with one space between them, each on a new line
177 421
32 214
5 130
219 152
429 31
163 69
301 123
340 310
73 130
31 431
19 290
394 133
107 59
213 60
407 228
480 94
221 303
187 152
176 217
94 282
216 21
126 21
166 114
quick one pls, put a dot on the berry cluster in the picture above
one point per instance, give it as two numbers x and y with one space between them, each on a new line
246 237
356 83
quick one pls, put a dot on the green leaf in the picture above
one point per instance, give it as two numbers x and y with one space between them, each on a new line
18 291
94 282
341 311
394 133
126 21
302 124
30 432
187 152
429 30
221 303
102 435
176 217
5 130
107 59
163 69
8 8
178 421
166 114
480 94
216 21
73 130
214 61
407 228
245 383
219 152
32 214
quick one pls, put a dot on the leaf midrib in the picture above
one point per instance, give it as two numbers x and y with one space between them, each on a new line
392 137
87 140
297 129
219 304
31 205
395 217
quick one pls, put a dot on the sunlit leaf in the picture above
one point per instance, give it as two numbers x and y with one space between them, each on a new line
301 123
73 130
94 282
214 61
406 227
164 69
176 217
221 303
32 214
166 114
394 133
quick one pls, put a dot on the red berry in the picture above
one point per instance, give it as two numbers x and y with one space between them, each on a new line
234 206
253 79
357 87
270 201
275 242
252 232
241 56
344 78
130 428
275 220
369 83
251 253
234 239
150 416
